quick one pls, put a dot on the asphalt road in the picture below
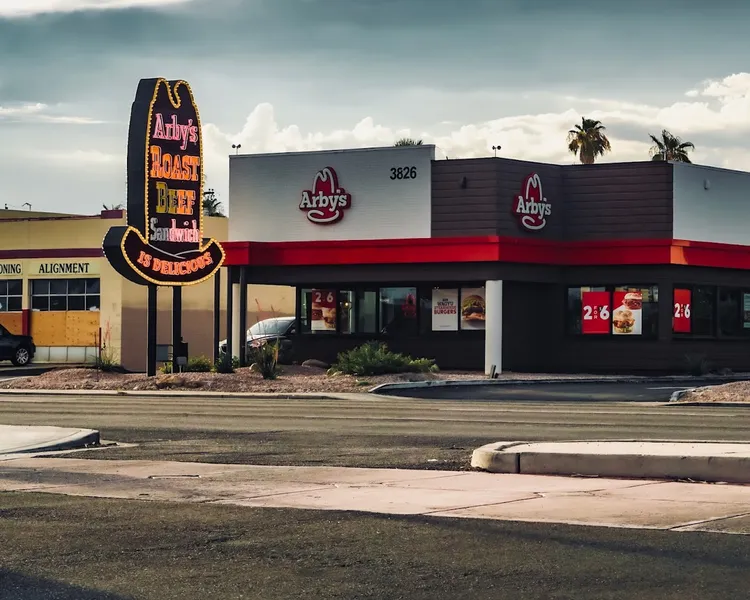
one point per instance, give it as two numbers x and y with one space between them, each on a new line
72 548
67 547
551 392
372 431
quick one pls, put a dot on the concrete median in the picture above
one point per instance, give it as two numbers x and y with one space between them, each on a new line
32 439
698 461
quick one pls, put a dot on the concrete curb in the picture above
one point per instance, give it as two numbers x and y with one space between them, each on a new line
717 404
679 394
408 385
495 458
68 440
181 394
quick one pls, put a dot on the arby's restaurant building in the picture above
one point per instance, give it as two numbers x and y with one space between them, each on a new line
619 267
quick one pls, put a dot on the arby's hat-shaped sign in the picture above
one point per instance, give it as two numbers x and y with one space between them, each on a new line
326 202
163 242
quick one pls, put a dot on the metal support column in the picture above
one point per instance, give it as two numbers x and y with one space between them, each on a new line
217 314
151 331
230 310
243 317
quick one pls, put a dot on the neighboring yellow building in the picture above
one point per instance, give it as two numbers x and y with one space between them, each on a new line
57 286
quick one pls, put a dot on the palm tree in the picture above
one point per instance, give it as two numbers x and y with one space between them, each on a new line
670 147
408 142
588 140
211 204
113 206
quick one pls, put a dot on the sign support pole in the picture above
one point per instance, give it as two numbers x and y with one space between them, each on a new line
217 314
243 316
151 331
176 325
230 311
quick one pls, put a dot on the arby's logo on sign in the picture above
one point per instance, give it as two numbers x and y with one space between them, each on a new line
530 206
326 202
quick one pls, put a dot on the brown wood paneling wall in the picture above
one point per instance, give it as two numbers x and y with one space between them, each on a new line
473 197
464 197
618 201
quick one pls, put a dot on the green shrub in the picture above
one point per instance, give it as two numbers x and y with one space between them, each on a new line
225 365
165 368
107 362
698 364
374 358
198 364
266 357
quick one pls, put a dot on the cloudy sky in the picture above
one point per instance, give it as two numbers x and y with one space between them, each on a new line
278 75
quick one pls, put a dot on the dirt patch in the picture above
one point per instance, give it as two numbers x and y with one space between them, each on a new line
737 392
293 379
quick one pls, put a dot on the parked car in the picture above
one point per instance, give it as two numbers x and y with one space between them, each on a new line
19 349
278 329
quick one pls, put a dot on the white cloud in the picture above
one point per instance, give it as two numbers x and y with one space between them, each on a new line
41 113
84 158
721 107
26 8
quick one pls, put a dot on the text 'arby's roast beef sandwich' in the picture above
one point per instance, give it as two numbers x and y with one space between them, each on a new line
623 320
472 308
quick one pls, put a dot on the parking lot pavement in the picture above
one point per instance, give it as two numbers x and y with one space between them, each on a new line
9 371
550 392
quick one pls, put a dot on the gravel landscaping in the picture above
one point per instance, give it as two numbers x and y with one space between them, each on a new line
293 379
737 392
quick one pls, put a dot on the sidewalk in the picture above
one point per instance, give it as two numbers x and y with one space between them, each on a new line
581 501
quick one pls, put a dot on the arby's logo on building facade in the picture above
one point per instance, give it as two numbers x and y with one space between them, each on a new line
530 206
326 202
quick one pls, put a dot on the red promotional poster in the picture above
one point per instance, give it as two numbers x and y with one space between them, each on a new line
627 313
596 312
323 316
682 307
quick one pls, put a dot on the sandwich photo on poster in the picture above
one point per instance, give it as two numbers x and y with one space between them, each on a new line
323 317
472 308
627 316
444 310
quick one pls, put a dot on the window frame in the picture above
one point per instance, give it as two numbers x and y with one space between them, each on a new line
423 291
48 296
6 297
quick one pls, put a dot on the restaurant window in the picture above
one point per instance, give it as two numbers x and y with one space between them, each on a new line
318 310
694 310
346 320
367 311
11 292
398 311
730 312
613 311
65 294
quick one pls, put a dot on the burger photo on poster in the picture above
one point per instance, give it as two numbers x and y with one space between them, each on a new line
626 318
472 308
623 320
633 300
329 318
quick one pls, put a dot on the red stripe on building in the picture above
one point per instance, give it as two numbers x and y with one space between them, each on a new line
488 249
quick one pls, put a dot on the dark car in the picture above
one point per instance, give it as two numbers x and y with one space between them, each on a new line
278 329
19 349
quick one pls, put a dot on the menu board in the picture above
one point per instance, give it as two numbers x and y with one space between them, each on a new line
627 316
681 322
746 311
323 317
444 310
596 311
472 308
